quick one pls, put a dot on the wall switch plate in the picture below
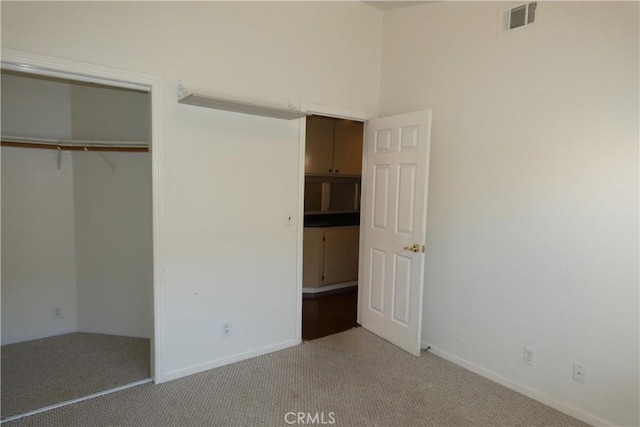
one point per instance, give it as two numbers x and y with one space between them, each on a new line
226 329
528 356
57 313
579 372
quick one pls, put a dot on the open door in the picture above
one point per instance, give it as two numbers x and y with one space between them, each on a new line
394 227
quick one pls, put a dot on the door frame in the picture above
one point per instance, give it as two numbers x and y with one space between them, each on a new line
30 63
338 113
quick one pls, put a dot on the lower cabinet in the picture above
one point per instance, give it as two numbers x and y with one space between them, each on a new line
330 255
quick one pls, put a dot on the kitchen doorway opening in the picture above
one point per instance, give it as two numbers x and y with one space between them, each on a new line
331 234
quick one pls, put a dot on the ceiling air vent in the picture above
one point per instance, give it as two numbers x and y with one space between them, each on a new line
521 16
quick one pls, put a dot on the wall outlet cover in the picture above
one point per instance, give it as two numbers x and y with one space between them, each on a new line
528 356
579 372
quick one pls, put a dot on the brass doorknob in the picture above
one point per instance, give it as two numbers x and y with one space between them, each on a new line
415 248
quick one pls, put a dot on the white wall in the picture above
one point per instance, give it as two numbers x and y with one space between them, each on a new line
38 248
113 243
113 213
108 113
533 201
228 179
37 108
78 238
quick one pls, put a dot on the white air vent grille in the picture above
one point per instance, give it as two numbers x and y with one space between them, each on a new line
521 15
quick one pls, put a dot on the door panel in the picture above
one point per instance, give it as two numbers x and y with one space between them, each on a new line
409 138
394 220
376 278
405 205
380 196
382 142
401 289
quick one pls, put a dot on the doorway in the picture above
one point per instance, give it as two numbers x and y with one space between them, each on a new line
395 175
331 233
92 164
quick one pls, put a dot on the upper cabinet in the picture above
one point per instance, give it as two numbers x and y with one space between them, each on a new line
347 147
318 158
333 146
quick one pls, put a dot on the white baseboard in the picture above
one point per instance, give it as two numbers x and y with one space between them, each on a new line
179 373
39 336
108 331
72 401
329 287
529 392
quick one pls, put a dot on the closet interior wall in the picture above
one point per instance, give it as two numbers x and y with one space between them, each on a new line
78 236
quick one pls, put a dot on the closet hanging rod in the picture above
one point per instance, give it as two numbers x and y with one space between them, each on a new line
74 145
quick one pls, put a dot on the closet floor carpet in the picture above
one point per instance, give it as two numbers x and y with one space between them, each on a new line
51 370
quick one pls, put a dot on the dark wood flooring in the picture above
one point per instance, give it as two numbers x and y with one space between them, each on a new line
328 313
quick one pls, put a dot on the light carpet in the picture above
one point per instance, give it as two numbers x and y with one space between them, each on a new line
353 378
51 370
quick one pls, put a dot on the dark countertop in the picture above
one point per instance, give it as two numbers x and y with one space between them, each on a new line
332 219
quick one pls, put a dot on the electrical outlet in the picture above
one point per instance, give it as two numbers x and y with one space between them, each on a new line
57 313
226 329
528 356
579 371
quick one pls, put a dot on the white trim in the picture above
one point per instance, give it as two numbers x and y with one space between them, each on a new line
179 373
340 113
363 206
529 392
300 228
328 288
41 64
44 70
43 335
120 332
72 401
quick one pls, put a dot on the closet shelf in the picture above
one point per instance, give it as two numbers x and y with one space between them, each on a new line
74 145
206 101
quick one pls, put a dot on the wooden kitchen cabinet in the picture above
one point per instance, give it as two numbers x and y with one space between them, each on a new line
347 147
333 146
318 159
312 257
341 255
330 255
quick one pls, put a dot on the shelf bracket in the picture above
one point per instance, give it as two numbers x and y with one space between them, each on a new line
113 169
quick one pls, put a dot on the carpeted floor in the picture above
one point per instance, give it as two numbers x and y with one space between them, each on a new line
51 370
353 378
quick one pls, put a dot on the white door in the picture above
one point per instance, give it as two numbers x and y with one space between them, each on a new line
394 216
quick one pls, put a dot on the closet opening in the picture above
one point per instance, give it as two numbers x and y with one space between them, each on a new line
77 240
331 233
